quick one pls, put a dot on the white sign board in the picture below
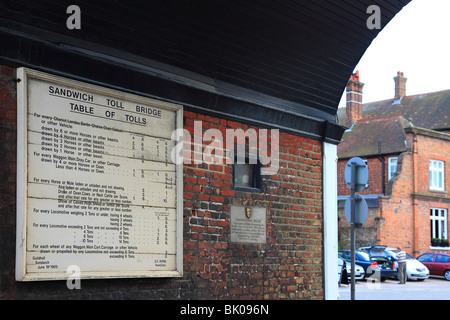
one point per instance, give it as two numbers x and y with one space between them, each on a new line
361 171
96 185
361 210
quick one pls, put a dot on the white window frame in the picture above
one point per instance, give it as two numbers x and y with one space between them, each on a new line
392 162
437 175
438 217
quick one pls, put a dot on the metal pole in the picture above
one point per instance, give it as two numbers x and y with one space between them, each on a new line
352 224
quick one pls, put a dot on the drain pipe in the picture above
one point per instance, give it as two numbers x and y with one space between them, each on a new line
381 158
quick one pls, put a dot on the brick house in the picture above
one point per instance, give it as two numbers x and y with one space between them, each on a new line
406 144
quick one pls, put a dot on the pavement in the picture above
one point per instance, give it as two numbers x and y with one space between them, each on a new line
433 288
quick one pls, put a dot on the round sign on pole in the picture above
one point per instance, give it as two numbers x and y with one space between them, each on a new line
361 210
362 174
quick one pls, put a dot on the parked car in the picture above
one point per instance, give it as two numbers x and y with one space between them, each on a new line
359 271
361 258
344 271
386 266
437 263
415 270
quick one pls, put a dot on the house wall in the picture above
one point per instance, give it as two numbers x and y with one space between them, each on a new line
374 183
429 145
288 266
369 234
396 208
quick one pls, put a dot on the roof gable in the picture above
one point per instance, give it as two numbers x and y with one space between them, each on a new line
362 139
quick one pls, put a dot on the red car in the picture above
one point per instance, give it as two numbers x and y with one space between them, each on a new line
437 263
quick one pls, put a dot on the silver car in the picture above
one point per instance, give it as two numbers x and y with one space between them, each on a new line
415 269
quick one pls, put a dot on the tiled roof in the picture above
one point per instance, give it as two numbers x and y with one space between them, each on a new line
429 111
362 139
385 121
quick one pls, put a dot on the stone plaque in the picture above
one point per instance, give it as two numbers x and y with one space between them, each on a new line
248 225
96 185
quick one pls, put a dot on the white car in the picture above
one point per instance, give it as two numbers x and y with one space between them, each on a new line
359 271
415 269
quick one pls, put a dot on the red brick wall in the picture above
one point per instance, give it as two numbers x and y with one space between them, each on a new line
407 211
288 266
397 209
375 181
430 147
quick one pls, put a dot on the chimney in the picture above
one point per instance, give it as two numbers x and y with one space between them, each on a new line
354 100
400 85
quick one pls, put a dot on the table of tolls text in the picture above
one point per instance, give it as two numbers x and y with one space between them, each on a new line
101 183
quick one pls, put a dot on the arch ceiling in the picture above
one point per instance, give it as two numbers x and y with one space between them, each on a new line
284 63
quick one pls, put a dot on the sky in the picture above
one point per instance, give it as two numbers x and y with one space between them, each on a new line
416 42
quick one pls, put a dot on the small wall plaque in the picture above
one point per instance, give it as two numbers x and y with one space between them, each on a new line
248 225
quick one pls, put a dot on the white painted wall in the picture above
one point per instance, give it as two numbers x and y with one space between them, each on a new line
330 216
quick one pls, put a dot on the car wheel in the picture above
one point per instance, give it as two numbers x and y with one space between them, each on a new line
447 275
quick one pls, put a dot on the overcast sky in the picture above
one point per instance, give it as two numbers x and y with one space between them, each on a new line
416 42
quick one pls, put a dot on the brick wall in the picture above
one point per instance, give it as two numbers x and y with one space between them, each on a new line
407 210
364 236
397 210
375 181
288 266
429 146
